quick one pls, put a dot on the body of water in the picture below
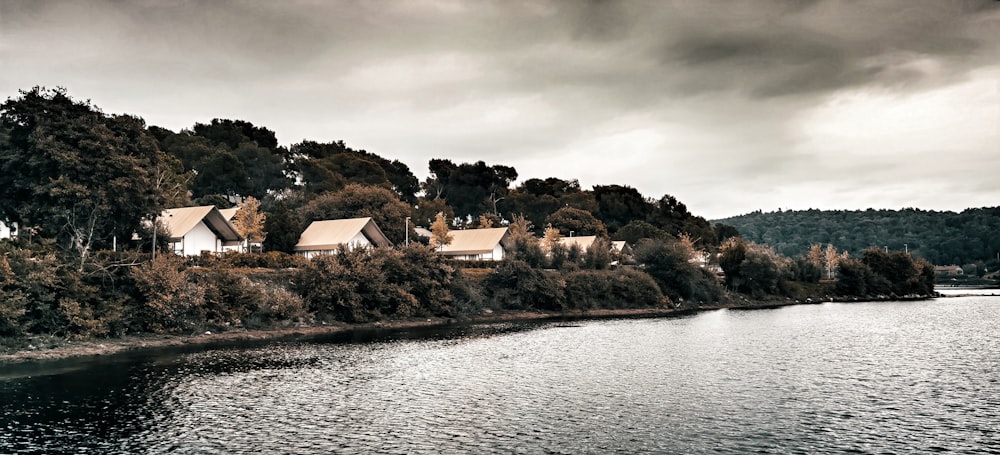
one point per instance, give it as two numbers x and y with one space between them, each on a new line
891 377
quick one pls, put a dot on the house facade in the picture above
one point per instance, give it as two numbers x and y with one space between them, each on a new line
193 230
325 237
477 244
8 232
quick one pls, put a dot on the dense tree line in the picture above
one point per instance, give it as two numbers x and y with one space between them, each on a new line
84 187
968 237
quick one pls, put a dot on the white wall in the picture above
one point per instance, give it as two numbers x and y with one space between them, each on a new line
358 241
199 239
5 231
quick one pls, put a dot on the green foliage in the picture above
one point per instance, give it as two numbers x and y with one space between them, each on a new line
13 302
571 221
668 263
619 205
598 256
170 300
624 288
939 237
469 188
230 157
358 201
73 174
637 230
672 217
283 229
514 284
853 278
331 166
878 273
361 285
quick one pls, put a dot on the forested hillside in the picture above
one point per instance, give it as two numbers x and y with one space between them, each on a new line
969 237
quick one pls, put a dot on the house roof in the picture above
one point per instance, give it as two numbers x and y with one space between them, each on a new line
475 241
423 232
229 213
583 242
329 234
180 221
619 245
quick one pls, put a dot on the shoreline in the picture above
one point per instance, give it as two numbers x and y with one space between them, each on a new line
61 349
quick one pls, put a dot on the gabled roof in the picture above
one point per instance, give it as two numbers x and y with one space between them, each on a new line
329 234
180 221
475 241
619 245
229 213
582 242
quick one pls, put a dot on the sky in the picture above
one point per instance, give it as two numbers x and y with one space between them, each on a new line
730 106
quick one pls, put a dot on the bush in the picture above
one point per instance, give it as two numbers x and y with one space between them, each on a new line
626 288
169 300
516 285
366 285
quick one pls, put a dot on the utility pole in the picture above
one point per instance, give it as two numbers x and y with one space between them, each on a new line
407 231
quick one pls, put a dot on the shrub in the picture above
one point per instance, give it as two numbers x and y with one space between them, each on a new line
626 288
516 285
362 285
168 297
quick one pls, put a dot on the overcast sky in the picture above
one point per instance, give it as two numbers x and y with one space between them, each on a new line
730 106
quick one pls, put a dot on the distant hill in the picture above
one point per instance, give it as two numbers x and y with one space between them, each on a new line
940 237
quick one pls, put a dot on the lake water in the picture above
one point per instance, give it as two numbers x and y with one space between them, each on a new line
893 377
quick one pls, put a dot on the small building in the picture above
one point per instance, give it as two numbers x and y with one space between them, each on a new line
325 237
8 232
621 253
582 242
948 270
192 230
477 244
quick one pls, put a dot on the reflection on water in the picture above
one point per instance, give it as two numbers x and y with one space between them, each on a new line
870 377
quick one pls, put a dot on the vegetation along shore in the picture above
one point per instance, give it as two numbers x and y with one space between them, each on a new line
91 260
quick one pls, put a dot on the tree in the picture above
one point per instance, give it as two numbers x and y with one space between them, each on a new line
732 253
525 245
571 221
550 238
469 187
637 230
816 256
249 222
359 201
667 262
618 205
79 176
330 166
282 229
439 232
427 209
230 157
831 259
488 220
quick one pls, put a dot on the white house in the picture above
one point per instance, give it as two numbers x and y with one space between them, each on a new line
477 244
192 230
8 232
324 237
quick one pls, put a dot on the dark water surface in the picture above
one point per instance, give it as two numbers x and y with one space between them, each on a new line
896 377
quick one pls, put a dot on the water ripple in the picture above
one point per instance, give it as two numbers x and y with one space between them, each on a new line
913 377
